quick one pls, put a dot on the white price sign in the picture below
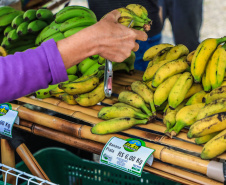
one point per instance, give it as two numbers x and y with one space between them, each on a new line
127 155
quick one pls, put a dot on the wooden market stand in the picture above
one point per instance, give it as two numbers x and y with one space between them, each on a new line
177 159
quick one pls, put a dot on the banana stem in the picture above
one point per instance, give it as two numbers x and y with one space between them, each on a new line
169 125
220 40
177 128
141 116
141 121
146 110
224 46
153 108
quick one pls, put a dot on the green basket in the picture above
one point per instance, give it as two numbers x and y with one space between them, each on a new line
65 168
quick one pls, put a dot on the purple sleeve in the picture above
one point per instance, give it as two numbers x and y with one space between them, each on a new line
25 72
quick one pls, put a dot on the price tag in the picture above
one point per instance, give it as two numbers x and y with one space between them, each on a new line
7 119
127 155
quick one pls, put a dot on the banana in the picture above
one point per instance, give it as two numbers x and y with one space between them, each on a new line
63 16
7 30
12 36
91 98
215 94
126 105
149 85
116 125
3 52
69 99
214 107
214 147
20 48
151 70
179 90
161 55
56 37
18 43
30 15
17 21
134 100
72 31
152 51
223 83
72 70
196 98
38 39
119 66
177 52
77 22
130 61
147 95
190 56
80 87
186 117
169 69
126 21
44 93
202 55
93 69
5 10
85 65
22 29
119 112
206 79
208 125
194 89
206 138
169 116
45 15
5 43
6 19
36 26
139 10
56 91
217 67
162 91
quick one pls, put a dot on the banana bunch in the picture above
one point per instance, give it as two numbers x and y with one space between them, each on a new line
19 29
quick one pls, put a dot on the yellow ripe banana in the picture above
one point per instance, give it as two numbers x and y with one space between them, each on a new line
206 79
152 51
213 107
69 99
196 98
208 125
202 55
215 94
57 95
56 91
206 138
190 56
215 146
169 117
91 98
179 90
126 105
139 10
217 67
149 85
150 71
116 125
194 89
161 55
134 100
142 90
162 91
169 69
3 52
185 117
80 87
150 64
177 52
119 112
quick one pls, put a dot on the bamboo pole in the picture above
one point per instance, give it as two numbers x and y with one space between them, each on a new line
163 169
8 158
124 75
31 162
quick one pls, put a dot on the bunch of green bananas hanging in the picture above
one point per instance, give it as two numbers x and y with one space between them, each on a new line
68 21
19 29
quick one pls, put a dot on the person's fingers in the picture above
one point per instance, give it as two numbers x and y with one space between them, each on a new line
136 47
141 35
113 16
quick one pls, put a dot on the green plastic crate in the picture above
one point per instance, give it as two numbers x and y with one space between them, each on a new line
65 168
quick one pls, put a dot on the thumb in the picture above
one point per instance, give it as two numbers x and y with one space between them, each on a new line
113 16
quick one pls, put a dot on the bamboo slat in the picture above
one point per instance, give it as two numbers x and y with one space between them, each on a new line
124 75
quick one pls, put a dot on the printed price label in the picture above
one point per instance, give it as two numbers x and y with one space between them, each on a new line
127 155
7 119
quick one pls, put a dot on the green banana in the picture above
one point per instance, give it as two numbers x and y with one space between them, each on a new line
36 26
71 12
206 138
44 15
91 98
139 10
180 89
126 105
134 100
22 29
12 36
93 69
119 66
6 10
215 94
119 112
44 93
56 37
130 61
7 30
29 15
6 19
85 65
38 39
5 43
20 48
52 29
77 22
147 95
116 125
72 31
72 70
19 43
17 21
196 98
169 69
